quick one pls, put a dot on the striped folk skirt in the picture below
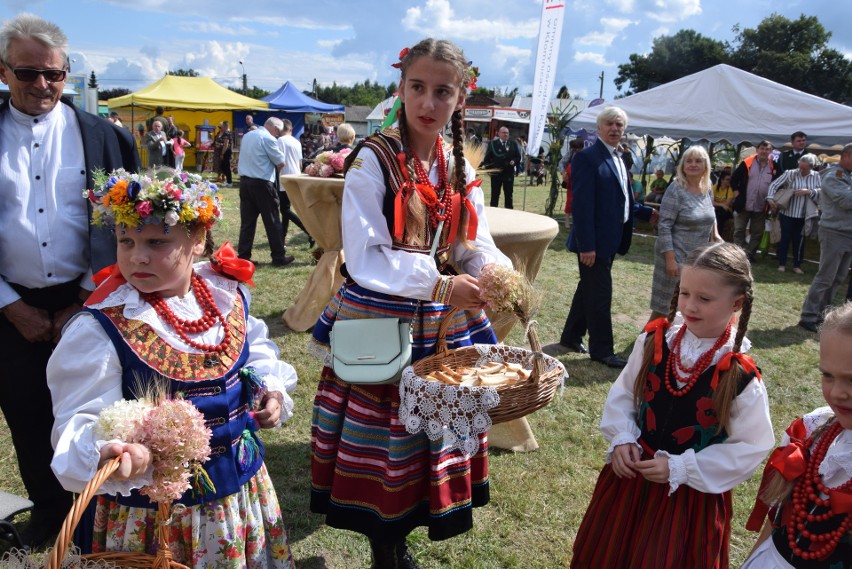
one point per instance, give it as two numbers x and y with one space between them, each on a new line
368 474
634 523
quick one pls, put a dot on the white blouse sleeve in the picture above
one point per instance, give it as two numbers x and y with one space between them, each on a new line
84 376
368 247
619 422
720 467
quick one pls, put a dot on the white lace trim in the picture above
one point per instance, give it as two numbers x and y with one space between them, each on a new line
692 347
223 290
458 415
677 470
618 440
838 458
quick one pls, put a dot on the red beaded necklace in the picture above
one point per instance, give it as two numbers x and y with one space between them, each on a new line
806 496
208 319
440 209
701 364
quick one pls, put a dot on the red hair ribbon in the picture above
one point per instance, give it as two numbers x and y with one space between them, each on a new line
225 262
789 461
400 202
658 327
107 280
402 55
727 360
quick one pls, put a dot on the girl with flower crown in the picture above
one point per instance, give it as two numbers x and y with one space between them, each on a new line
404 189
686 420
807 484
159 318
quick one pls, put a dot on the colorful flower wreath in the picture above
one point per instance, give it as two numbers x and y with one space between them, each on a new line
472 71
160 197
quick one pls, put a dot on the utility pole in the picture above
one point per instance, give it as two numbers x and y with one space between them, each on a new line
601 78
245 79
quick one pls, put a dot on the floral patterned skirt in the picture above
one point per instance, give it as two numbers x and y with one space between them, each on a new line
244 529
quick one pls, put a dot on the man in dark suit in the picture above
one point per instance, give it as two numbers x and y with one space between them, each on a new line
602 207
48 249
501 156
789 159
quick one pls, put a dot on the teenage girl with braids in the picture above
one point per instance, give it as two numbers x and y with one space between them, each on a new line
687 420
368 474
808 479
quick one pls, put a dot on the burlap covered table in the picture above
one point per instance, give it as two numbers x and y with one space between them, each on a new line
317 203
524 238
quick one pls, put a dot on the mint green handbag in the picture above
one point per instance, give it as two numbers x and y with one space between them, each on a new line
370 350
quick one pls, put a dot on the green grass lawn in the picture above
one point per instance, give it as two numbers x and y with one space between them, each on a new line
537 498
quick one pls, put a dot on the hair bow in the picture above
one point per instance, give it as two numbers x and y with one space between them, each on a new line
225 262
727 360
402 55
658 327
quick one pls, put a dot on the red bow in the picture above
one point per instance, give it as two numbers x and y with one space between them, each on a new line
107 280
789 461
225 262
658 327
402 55
726 361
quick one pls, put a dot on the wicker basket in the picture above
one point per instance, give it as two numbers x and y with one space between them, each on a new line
163 558
516 399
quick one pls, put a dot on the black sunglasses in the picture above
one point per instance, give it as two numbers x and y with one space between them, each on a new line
29 75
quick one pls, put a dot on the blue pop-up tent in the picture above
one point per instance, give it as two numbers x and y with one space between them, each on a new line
289 102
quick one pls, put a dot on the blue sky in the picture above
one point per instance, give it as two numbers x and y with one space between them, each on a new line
132 43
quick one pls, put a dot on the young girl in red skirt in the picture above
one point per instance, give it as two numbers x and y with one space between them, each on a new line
368 474
807 484
687 420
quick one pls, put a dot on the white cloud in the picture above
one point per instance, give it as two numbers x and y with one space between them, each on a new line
624 6
437 18
329 44
660 31
215 28
674 10
591 57
612 28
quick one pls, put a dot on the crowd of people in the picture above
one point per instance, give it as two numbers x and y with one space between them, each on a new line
103 301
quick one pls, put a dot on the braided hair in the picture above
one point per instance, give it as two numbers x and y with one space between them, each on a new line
446 52
730 262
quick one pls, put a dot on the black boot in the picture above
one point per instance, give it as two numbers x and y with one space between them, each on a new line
384 554
403 557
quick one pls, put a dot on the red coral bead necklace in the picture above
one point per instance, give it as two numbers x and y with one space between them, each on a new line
441 209
210 315
806 496
675 363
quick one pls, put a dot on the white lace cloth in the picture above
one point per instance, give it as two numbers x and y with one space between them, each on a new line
458 415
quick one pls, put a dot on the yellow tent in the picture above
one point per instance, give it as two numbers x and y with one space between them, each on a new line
197 93
194 102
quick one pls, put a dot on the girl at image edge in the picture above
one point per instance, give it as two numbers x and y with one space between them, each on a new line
159 314
808 478
687 420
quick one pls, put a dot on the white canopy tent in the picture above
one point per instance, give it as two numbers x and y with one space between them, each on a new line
726 103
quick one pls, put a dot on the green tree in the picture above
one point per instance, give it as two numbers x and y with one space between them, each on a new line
106 94
254 92
794 53
93 80
671 57
184 72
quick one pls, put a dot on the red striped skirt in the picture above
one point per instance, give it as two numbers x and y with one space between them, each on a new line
634 523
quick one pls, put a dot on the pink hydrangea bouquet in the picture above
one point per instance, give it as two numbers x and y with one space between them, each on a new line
174 433
504 289
328 164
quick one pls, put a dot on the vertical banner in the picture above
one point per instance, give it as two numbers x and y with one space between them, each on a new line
549 34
